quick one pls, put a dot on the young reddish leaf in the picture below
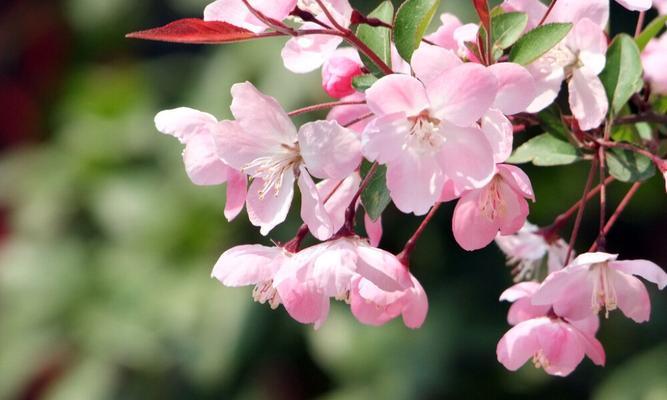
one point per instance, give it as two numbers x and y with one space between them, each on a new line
198 31
482 8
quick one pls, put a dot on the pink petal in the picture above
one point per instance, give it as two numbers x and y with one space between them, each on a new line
517 179
429 62
303 54
646 269
635 5
466 157
589 325
631 296
397 93
472 229
500 134
575 10
329 150
570 292
588 98
415 306
593 258
184 123
236 13
313 212
346 114
373 306
382 268
594 349
339 71
514 211
202 163
444 36
247 265
516 87
548 80
415 182
337 196
237 185
261 116
271 210
303 303
523 310
591 43
562 346
519 344
519 291
463 94
373 230
385 138
533 8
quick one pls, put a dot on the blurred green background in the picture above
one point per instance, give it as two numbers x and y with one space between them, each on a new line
106 247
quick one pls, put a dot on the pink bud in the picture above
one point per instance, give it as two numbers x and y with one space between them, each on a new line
337 75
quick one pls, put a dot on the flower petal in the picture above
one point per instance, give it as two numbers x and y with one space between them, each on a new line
385 138
631 296
500 134
429 62
589 40
247 265
636 5
519 344
373 230
184 123
466 157
237 189
303 54
313 212
517 179
472 229
272 209
415 182
329 150
548 80
516 87
397 93
236 13
644 268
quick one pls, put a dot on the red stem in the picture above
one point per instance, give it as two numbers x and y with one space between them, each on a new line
640 23
546 14
580 213
324 106
619 210
354 121
411 244
351 212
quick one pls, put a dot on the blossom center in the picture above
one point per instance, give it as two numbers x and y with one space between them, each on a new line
264 292
491 203
604 293
425 133
271 169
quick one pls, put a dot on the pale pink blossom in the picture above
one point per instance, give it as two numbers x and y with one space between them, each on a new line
597 280
339 71
425 130
336 269
236 13
303 54
527 248
654 60
274 154
453 35
199 131
522 309
252 265
534 9
500 206
578 59
553 343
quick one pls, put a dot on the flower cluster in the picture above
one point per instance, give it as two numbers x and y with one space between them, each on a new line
424 120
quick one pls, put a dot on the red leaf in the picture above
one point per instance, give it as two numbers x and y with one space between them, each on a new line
197 31
482 7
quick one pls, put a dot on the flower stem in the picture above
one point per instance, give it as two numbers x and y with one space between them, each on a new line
404 255
621 207
546 14
324 106
580 212
640 23
351 212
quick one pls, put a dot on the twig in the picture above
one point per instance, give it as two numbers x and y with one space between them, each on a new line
621 207
580 213
324 106
546 14
404 255
351 212
640 23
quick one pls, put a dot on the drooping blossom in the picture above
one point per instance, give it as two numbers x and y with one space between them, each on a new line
235 12
339 71
579 58
425 130
527 248
303 54
500 206
554 343
199 131
654 61
268 147
351 270
598 280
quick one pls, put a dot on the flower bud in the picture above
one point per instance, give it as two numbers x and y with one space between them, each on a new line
337 75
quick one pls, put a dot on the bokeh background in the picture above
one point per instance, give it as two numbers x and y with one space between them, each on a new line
106 247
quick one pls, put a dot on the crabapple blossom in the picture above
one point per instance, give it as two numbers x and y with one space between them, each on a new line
339 71
349 268
554 344
522 309
236 13
654 60
269 149
347 114
425 132
198 131
500 206
453 35
598 280
527 248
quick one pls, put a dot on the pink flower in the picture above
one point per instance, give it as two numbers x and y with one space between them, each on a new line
306 53
661 6
425 130
346 115
453 35
527 248
534 9
522 308
553 343
500 206
236 13
339 71
271 151
580 57
346 269
252 265
597 280
654 60
199 131
635 5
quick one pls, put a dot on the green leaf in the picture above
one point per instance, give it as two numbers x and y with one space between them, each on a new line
537 42
650 32
628 166
545 150
625 133
412 20
507 28
378 38
551 122
375 198
363 82
622 75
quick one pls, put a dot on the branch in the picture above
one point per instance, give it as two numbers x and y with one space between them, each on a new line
647 116
546 14
351 212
